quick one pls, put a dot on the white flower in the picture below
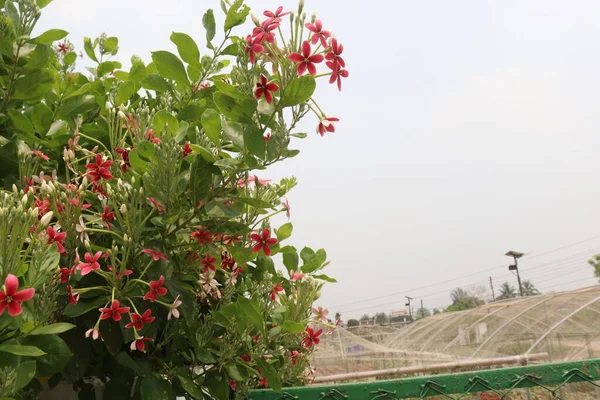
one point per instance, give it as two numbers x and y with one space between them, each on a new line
173 311
94 333
80 227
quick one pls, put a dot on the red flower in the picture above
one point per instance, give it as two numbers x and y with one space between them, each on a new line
156 255
337 73
312 337
228 240
63 48
99 169
125 156
150 136
138 344
326 124
277 288
305 60
118 274
90 264
263 241
293 356
246 357
73 297
56 237
107 216
208 263
265 31
156 204
114 311
65 274
187 150
29 186
267 137
11 298
202 235
39 154
232 384
138 321
156 289
264 87
263 382
277 14
318 32
335 52
286 204
253 47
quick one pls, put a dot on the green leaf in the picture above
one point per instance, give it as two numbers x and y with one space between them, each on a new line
235 109
20 121
153 388
234 132
89 48
53 329
284 231
125 360
164 121
191 388
111 45
43 3
203 152
107 67
254 141
13 14
290 260
41 116
216 209
39 57
208 21
50 36
77 105
56 357
201 178
233 372
299 135
236 15
205 356
57 127
251 309
270 373
70 58
137 72
292 327
228 89
82 90
298 91
83 306
231 50
124 93
325 278
170 67
13 347
307 254
33 85
211 124
156 83
187 48
25 373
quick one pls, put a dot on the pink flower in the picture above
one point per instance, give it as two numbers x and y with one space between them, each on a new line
39 154
312 337
264 87
94 333
90 264
232 385
118 274
320 313
265 31
173 311
114 311
277 288
63 48
208 263
253 47
293 356
318 32
296 276
107 216
54 236
125 159
267 137
156 204
156 255
263 382
156 289
65 274
138 344
326 125
73 297
12 298
332 330
202 235
277 14
229 240
337 73
305 60
138 321
187 150
286 204
99 170
335 52
263 242
253 178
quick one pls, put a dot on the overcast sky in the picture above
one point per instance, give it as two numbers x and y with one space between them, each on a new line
468 128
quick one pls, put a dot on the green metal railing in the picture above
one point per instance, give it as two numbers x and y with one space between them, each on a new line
548 381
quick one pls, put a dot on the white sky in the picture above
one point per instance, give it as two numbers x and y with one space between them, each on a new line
468 128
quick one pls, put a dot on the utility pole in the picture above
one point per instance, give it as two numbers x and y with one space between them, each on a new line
409 309
515 267
422 310
492 286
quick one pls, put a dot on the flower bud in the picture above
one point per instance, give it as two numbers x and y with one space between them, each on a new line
46 219
125 237
87 245
22 148
122 115
34 213
15 189
255 19
300 6
108 106
313 18
24 199
123 209
45 188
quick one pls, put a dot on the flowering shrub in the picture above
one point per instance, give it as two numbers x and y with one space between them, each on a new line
137 244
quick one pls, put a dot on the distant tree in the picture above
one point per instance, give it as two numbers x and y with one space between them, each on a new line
507 291
458 294
529 289
595 262
422 313
365 317
463 300
436 311
338 316
381 318
353 322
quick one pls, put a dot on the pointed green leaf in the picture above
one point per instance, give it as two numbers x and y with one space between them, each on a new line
187 48
251 310
236 15
290 260
164 121
234 132
111 45
13 347
208 21
254 141
82 90
325 278
284 231
153 388
107 67
53 329
293 327
20 121
156 83
124 93
211 124
170 67
25 373
270 373
298 91
50 36
89 48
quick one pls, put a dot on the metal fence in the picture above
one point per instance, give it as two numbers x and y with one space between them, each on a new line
569 380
